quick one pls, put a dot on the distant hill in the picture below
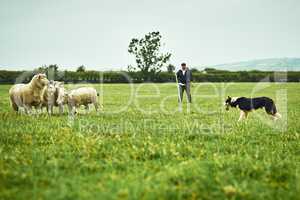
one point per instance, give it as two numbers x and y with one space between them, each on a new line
271 64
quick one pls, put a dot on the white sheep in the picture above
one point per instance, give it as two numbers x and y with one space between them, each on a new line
27 95
60 96
54 95
49 97
82 96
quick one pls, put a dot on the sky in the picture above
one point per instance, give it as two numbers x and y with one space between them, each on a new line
97 33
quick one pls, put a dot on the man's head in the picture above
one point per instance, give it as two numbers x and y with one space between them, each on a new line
183 66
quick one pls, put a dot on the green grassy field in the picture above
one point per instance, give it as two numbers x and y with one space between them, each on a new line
140 147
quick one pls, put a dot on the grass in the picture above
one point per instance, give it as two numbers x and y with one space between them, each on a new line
149 150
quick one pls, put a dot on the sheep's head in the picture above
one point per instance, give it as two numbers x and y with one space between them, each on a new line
51 88
61 93
40 80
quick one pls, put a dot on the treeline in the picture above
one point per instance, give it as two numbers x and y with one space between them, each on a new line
207 75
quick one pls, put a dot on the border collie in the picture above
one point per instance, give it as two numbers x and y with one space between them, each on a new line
248 104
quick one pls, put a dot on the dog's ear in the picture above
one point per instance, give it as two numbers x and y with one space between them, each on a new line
229 97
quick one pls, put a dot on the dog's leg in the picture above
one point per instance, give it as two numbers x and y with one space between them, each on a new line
242 116
276 116
246 115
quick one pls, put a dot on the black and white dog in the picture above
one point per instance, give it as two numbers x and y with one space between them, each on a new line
248 104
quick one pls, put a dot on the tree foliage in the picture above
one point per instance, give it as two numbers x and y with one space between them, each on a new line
170 68
81 68
149 59
51 71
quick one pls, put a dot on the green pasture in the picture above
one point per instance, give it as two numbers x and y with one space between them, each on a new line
141 147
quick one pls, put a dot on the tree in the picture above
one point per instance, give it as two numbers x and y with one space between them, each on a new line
51 71
81 69
42 69
194 70
210 70
149 59
53 68
170 68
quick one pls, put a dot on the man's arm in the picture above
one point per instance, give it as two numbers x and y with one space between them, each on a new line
177 75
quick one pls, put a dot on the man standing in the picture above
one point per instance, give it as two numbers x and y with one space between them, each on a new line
184 77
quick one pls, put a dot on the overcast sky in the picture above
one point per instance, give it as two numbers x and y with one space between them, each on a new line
97 33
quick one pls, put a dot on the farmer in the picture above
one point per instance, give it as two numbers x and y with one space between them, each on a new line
184 77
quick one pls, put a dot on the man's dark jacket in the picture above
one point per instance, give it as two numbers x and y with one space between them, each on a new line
184 78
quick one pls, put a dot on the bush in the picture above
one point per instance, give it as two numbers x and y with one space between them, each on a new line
210 75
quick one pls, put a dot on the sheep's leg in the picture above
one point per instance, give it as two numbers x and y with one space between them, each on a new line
36 110
72 109
87 108
61 108
49 109
28 109
96 104
39 109
42 107
21 110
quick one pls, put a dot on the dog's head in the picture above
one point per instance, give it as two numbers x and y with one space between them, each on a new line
227 102
230 102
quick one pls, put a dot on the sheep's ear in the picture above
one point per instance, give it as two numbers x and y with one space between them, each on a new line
41 76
